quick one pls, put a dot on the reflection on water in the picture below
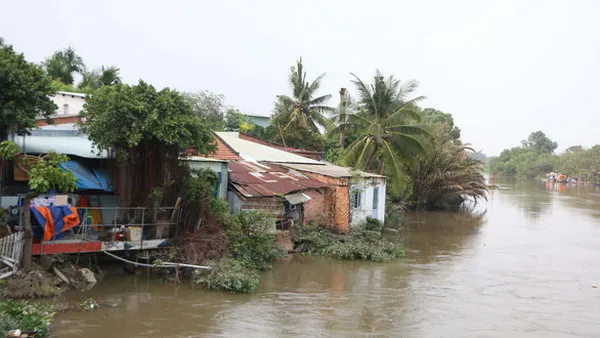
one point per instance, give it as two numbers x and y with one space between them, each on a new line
522 264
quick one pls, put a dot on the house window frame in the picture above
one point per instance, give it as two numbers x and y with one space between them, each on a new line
356 198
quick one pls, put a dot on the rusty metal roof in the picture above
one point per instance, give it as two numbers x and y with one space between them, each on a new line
254 179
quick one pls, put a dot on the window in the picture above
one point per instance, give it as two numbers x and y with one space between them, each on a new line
65 109
375 198
355 197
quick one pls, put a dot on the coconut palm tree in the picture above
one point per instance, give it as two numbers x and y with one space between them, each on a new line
339 120
62 64
303 109
94 79
388 127
109 76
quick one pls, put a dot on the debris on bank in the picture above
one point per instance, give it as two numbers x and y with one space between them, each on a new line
48 278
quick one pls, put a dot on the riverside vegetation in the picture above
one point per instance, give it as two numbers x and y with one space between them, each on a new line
536 156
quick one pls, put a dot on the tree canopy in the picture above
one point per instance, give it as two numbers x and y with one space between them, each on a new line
208 106
24 91
387 128
297 118
62 64
540 142
122 116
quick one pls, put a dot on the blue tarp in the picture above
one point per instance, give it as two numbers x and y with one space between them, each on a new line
88 179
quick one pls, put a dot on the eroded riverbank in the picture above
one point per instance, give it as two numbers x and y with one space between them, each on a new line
525 268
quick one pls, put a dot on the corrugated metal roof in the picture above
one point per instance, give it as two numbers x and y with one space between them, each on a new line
251 151
253 179
330 170
65 139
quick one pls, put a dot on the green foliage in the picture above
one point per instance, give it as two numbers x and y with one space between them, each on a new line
94 79
314 239
447 175
7 323
297 118
228 275
8 150
250 241
538 141
33 317
124 117
363 243
62 64
388 129
441 119
210 107
46 175
533 159
24 91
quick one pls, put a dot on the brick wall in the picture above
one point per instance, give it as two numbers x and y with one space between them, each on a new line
337 201
315 209
60 120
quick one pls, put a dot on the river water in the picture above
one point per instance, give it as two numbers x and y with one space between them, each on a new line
525 263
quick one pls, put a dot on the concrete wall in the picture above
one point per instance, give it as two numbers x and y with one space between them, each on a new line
68 105
218 167
367 188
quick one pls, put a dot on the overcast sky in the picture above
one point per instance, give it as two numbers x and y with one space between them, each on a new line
502 68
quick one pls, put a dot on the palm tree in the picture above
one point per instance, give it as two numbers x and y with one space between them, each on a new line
388 128
448 175
109 76
62 64
303 109
94 79
339 121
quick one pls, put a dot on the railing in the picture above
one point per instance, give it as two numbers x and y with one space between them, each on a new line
11 252
108 223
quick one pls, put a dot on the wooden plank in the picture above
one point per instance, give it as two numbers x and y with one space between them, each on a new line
56 248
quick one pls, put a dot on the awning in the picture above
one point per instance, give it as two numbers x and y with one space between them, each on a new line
297 198
88 179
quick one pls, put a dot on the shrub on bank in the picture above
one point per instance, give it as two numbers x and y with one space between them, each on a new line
31 318
363 243
250 240
227 275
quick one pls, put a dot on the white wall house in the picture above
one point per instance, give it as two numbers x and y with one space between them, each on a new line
69 104
367 199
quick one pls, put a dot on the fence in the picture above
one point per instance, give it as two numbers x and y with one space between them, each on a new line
11 252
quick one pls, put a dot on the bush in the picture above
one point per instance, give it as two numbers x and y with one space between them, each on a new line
227 275
363 243
250 242
314 239
28 317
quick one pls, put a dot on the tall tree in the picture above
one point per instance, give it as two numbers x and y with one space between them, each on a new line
209 106
62 64
340 119
24 92
93 79
297 116
388 129
148 130
540 142
448 174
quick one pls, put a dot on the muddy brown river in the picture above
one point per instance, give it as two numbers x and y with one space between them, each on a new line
525 264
